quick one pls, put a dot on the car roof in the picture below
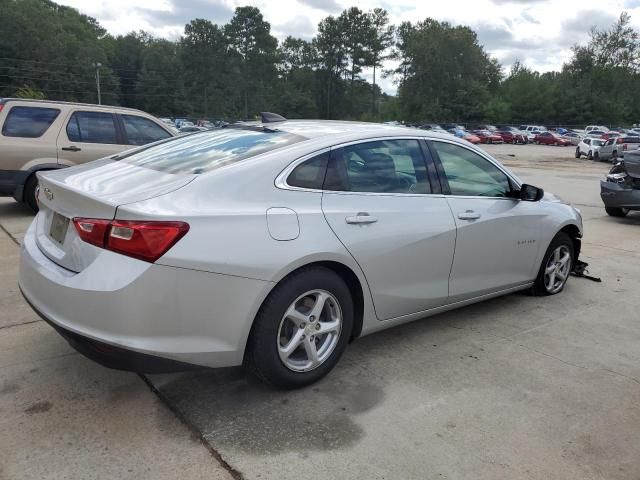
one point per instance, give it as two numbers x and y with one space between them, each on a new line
56 102
316 129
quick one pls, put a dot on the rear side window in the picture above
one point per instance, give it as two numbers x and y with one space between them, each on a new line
141 131
310 174
92 127
28 122
208 150
384 166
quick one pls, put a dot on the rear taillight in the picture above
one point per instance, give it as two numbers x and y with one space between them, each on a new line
1 106
624 147
144 240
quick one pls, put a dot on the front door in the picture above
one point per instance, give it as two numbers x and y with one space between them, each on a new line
379 202
498 237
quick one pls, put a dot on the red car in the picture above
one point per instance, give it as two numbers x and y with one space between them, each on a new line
509 136
610 134
551 138
486 136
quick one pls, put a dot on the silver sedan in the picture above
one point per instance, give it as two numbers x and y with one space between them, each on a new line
273 245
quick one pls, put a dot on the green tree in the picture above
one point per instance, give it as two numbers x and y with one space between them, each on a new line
380 40
253 49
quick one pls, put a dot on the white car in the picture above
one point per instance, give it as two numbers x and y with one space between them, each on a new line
590 148
591 128
274 245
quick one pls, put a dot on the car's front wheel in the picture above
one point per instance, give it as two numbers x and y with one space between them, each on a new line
578 155
556 266
590 155
301 330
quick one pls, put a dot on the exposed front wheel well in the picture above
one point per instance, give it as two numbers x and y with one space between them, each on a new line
574 234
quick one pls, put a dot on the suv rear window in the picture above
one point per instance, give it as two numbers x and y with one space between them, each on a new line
28 122
204 151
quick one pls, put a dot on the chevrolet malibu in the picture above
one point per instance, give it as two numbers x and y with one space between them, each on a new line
276 244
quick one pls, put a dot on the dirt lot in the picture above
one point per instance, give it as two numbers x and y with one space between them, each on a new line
514 388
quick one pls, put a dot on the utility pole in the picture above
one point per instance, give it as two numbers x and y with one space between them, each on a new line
97 67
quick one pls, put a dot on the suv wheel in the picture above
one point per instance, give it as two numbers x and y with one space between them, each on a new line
29 192
556 266
616 211
590 155
301 330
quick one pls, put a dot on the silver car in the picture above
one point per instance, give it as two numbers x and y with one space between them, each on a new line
274 245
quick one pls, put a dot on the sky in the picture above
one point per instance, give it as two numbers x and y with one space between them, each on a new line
538 33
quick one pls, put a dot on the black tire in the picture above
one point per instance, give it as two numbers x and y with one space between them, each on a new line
29 193
578 155
561 238
596 157
616 211
262 357
590 155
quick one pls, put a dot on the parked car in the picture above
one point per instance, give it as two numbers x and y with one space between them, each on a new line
472 138
610 134
590 147
590 128
486 136
513 136
432 127
596 133
620 192
572 137
191 129
159 259
551 138
617 147
42 135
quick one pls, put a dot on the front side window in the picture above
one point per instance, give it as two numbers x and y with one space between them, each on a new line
310 173
92 127
384 166
469 174
141 131
28 122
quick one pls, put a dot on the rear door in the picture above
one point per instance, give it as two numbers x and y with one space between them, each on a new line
380 203
88 135
498 237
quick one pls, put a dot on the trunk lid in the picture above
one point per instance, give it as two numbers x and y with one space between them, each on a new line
93 190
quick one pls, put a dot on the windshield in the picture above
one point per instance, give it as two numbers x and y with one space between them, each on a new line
597 143
204 151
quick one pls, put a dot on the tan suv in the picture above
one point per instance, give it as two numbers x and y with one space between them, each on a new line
44 135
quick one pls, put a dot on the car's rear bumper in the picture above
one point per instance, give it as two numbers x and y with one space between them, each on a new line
121 311
619 196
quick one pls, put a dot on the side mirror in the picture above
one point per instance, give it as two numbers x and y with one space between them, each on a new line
529 193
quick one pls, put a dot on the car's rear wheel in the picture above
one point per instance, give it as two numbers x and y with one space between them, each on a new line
556 266
301 330
617 211
29 192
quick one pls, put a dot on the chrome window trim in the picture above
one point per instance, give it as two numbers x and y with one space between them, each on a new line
281 179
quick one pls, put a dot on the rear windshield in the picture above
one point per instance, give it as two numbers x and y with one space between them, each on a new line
205 151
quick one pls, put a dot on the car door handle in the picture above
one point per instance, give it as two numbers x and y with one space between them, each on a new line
361 218
72 148
469 215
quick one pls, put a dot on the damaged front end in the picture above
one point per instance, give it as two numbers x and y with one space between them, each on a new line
620 192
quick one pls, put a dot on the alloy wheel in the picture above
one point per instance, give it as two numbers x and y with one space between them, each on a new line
309 330
557 269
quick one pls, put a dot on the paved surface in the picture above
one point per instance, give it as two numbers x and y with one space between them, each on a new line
517 387
65 417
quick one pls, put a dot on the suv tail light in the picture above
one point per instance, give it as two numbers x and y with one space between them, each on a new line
624 147
144 240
